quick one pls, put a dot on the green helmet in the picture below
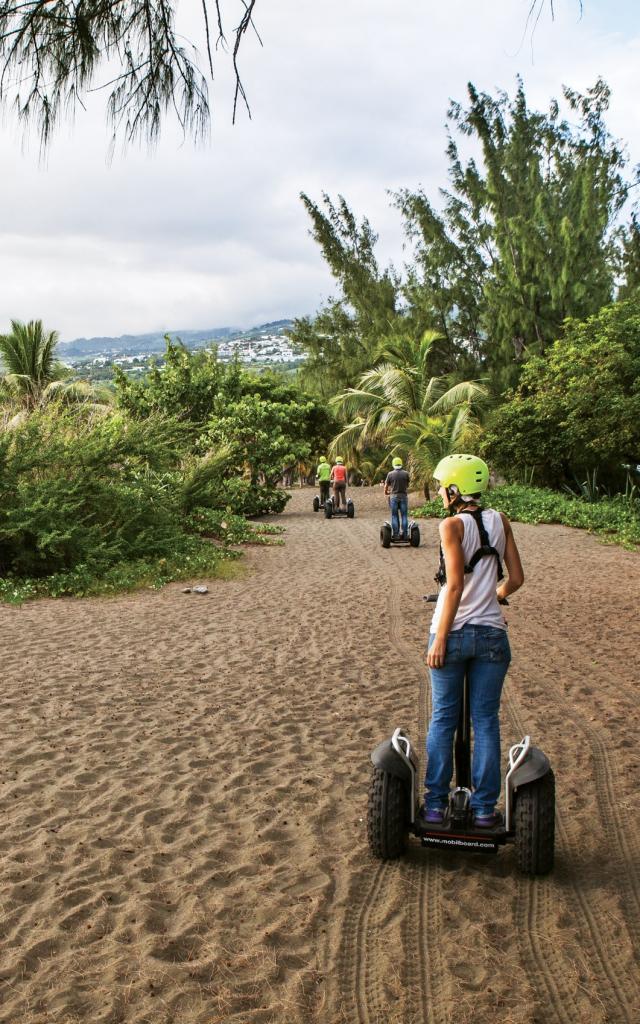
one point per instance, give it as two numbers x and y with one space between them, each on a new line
339 460
322 459
466 472
397 463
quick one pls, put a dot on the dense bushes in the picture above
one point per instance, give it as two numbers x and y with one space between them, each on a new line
96 500
246 428
577 409
78 490
618 517
92 503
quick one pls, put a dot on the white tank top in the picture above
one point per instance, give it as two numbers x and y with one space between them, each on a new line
478 604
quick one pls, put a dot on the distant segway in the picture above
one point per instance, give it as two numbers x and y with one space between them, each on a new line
320 499
529 787
387 539
318 502
398 481
331 511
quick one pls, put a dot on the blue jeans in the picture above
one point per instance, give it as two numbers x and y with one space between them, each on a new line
483 653
399 503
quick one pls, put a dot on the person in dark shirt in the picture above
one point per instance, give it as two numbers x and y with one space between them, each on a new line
396 487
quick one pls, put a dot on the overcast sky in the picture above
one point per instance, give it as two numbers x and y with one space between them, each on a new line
347 97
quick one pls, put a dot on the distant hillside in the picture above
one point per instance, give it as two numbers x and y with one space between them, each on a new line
141 344
131 344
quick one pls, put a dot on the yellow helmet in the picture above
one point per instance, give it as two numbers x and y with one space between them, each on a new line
322 459
339 460
397 462
468 473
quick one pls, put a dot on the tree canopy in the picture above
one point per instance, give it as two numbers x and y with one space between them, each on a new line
577 408
529 232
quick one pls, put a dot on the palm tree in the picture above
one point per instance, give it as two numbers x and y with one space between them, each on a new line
28 354
33 376
399 404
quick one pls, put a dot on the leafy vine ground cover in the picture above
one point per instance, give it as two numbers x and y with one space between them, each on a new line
615 519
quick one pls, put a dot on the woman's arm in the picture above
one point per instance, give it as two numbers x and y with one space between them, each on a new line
512 562
451 533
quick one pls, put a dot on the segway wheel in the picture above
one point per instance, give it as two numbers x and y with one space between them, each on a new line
385 535
535 825
350 509
414 535
388 815
316 503
328 508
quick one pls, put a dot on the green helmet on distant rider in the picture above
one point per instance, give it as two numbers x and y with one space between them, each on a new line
396 462
463 474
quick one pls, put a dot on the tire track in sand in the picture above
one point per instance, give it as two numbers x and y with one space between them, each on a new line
601 944
422 917
534 913
624 859
360 984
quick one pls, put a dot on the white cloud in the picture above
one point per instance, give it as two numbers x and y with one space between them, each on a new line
345 97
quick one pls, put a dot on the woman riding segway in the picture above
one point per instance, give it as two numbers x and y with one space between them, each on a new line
468 636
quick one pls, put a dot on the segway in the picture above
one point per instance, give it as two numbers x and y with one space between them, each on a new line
529 817
318 503
387 539
330 510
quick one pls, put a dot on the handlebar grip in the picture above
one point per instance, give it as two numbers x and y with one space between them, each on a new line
432 598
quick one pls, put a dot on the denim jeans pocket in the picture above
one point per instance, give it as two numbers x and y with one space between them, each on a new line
454 646
498 648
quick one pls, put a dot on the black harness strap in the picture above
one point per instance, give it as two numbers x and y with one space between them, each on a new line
484 551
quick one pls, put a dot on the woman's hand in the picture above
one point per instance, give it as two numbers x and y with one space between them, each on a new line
437 652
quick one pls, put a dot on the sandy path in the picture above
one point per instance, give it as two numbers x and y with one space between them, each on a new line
183 791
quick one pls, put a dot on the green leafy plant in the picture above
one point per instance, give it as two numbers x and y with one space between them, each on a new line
228 528
617 519
558 422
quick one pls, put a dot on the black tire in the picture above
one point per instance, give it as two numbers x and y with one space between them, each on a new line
388 815
316 503
385 535
328 508
535 825
414 536
350 509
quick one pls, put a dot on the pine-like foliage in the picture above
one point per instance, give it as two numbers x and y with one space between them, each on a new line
51 55
528 232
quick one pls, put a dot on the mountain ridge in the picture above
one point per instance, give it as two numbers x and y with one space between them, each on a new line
154 341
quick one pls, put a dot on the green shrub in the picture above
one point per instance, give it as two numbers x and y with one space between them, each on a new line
190 558
577 409
232 529
81 490
616 518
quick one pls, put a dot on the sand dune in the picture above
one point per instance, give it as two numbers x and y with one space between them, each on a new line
183 792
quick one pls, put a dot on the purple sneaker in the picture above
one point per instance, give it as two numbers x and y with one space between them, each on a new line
487 820
432 815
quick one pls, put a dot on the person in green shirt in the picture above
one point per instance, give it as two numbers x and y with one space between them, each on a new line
323 474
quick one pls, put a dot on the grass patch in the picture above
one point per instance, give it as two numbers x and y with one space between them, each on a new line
616 520
196 557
